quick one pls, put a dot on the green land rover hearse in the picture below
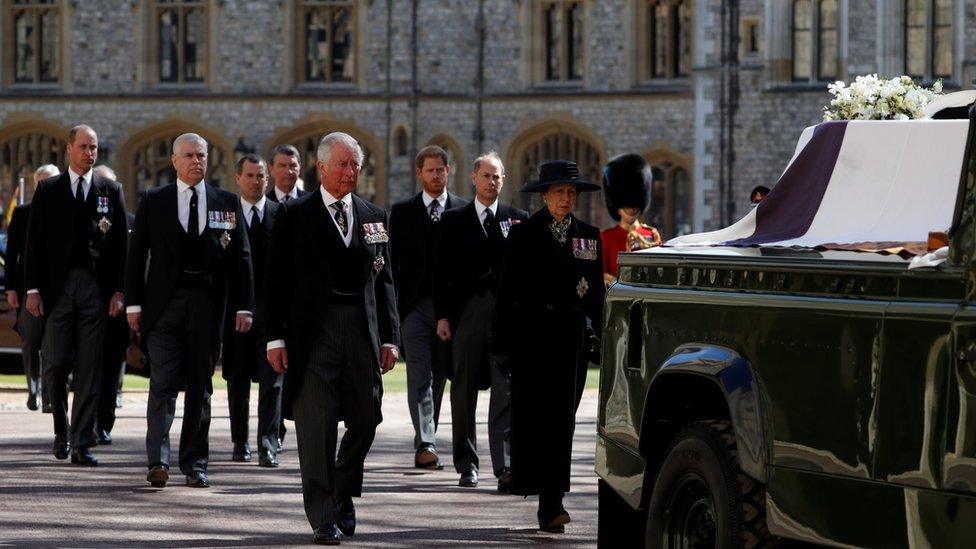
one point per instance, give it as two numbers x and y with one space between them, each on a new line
810 372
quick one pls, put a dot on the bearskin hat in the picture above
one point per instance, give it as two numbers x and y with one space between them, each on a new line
627 183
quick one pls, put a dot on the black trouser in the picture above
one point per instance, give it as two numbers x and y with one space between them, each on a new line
251 347
31 330
341 380
74 336
180 352
116 341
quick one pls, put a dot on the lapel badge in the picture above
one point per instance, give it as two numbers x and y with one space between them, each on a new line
378 263
584 248
104 225
225 240
375 233
101 204
582 288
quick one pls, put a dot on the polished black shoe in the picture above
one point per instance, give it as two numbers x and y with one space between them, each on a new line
326 534
346 512
242 452
280 448
46 408
32 402
267 458
427 458
158 476
505 480
197 479
469 478
553 522
83 456
61 448
103 437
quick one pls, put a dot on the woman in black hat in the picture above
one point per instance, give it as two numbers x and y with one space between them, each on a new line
549 310
627 184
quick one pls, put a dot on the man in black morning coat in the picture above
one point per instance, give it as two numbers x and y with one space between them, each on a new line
414 226
73 266
199 261
333 325
470 251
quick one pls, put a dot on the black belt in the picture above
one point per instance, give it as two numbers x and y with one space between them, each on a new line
193 280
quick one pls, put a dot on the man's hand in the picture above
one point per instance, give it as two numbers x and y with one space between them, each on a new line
115 305
388 358
444 329
12 299
278 358
34 305
243 322
133 319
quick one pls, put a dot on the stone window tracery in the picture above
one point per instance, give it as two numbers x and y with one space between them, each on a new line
33 41
928 38
815 40
664 39
180 45
326 41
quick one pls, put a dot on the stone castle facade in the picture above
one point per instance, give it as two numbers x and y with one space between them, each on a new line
713 93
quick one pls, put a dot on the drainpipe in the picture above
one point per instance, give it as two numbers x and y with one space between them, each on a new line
388 96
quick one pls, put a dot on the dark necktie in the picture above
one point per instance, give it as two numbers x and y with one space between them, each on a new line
192 223
491 226
340 217
286 198
80 193
435 213
254 217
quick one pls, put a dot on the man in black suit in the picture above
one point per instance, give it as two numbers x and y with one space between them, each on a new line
245 358
333 326
414 225
470 251
73 264
189 259
286 168
29 327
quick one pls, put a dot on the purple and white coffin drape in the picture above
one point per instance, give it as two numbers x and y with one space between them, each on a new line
865 185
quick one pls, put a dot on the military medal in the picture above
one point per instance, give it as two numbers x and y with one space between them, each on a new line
212 220
378 263
507 224
104 225
582 288
225 240
584 248
375 233
101 205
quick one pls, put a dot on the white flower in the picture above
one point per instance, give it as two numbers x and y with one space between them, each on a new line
872 98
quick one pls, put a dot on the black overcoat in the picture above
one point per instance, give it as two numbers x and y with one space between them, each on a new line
548 297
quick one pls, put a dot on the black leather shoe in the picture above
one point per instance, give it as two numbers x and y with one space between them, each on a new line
505 480
61 447
553 522
32 402
280 447
326 534
242 452
469 478
197 479
427 458
158 476
103 437
83 456
346 512
267 459
46 408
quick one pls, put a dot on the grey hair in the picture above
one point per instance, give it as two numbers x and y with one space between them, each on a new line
492 155
106 172
324 152
49 170
187 137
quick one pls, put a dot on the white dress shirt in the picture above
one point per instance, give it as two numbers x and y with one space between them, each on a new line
246 207
280 195
481 209
329 200
441 200
183 195
86 181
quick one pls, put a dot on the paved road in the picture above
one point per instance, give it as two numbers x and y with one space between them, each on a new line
49 503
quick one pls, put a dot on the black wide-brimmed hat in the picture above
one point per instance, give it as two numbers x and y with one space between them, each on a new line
555 172
627 181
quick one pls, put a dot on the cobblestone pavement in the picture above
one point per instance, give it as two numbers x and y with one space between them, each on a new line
49 503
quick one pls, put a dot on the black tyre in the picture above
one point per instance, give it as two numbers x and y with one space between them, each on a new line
701 499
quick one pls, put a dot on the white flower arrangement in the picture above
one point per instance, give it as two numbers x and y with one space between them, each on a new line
873 98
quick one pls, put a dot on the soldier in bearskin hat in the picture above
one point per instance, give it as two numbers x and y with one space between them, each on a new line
627 182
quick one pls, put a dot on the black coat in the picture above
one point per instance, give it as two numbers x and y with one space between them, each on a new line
156 237
270 195
300 268
546 300
47 255
412 239
238 350
13 257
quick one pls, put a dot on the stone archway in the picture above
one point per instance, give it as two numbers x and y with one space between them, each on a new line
460 183
25 146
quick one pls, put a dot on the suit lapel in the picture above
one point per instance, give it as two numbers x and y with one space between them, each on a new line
474 221
318 223
171 219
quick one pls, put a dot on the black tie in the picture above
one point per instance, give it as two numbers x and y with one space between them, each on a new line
340 217
491 227
192 223
435 214
286 198
254 216
80 194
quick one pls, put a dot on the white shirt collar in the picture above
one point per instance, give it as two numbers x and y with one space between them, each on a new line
280 195
480 208
329 200
246 206
441 199
74 176
181 187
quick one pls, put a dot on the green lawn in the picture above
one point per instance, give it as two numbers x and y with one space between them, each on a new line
394 381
